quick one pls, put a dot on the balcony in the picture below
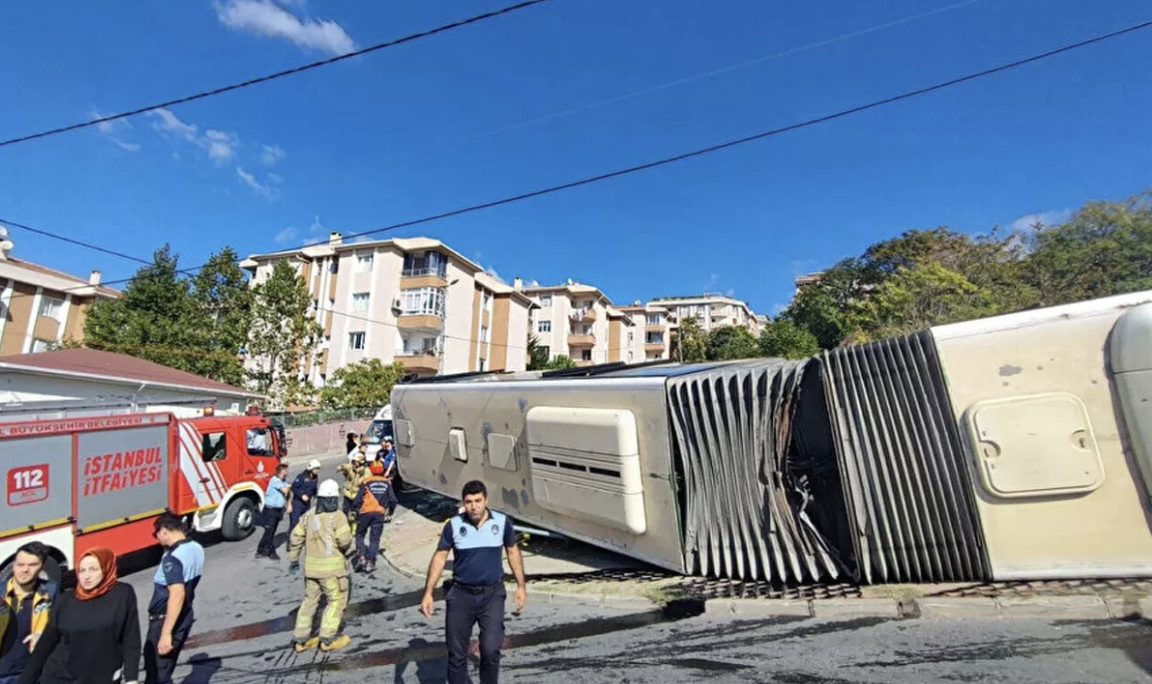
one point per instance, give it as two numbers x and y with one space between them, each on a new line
420 322
657 347
420 363
582 363
424 276
582 315
580 341
654 328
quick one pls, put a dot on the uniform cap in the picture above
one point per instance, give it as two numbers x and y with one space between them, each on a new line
328 488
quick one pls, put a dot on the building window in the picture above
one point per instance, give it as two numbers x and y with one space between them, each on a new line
546 352
485 302
654 338
363 263
40 346
586 355
652 319
629 357
483 334
422 301
544 327
630 338
51 308
586 330
360 301
428 263
356 340
545 300
483 365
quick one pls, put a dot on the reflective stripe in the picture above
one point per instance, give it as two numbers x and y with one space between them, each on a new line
192 476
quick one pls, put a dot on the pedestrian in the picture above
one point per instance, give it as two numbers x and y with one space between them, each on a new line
325 539
92 633
476 592
372 501
275 500
350 442
354 473
303 490
27 602
170 613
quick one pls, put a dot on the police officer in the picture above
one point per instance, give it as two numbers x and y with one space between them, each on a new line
170 614
476 592
303 491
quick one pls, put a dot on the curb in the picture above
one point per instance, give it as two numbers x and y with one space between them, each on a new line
1091 608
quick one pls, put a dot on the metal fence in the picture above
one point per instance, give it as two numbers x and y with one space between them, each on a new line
323 415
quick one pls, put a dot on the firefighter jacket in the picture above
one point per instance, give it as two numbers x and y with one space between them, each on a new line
375 495
325 538
352 479
42 599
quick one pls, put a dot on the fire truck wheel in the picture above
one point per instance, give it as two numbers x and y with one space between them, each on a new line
239 520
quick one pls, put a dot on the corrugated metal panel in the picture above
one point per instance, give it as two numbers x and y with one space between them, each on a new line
907 488
744 515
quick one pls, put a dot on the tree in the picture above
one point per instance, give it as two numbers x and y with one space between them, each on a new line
730 342
688 342
283 336
365 383
561 362
816 310
537 354
919 297
154 320
784 339
223 309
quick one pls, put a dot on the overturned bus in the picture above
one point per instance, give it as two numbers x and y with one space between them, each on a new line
1013 447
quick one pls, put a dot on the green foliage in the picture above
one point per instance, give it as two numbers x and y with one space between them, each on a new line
537 354
689 343
365 383
784 339
165 318
561 362
730 342
282 336
930 277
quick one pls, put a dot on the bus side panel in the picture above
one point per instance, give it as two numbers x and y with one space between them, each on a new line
122 539
37 477
122 475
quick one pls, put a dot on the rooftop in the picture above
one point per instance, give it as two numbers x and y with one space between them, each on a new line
94 364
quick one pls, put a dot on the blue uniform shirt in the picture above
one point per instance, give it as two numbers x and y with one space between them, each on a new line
273 496
304 485
389 458
477 552
182 563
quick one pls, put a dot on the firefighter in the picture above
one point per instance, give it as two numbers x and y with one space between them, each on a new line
372 501
354 473
326 540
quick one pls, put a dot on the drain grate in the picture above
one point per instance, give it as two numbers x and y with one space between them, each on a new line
708 588
1084 587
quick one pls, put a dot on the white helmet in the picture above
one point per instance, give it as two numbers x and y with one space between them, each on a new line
313 465
328 488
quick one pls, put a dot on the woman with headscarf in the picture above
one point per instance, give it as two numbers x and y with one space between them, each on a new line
92 634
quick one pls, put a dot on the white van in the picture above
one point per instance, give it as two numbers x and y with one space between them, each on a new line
379 429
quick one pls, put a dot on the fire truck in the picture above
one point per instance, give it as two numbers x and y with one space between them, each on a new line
78 482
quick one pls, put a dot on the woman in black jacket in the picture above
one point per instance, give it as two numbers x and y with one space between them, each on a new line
92 633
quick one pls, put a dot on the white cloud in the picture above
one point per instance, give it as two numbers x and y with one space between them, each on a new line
1047 218
265 191
271 155
266 18
220 146
275 177
113 130
713 281
285 236
730 292
167 122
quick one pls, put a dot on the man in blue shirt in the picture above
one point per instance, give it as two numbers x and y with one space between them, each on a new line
275 499
477 539
174 589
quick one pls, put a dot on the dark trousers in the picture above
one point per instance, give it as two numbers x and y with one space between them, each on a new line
10 680
365 523
465 609
299 508
270 520
159 668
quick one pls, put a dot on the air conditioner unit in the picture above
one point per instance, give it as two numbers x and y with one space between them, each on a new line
397 304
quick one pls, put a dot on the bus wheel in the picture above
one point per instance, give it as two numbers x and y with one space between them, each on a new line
239 519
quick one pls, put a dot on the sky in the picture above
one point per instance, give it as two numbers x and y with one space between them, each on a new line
554 93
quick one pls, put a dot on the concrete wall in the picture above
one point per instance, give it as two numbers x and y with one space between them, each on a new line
327 438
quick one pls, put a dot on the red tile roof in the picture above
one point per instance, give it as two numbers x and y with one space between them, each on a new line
119 366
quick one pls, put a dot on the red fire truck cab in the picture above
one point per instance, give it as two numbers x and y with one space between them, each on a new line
75 484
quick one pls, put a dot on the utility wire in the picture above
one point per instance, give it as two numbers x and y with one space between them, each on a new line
907 95
271 77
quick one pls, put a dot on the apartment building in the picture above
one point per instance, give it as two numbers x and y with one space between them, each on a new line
579 321
711 311
658 323
413 300
41 307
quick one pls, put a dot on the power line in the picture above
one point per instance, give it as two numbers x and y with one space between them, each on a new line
907 95
271 77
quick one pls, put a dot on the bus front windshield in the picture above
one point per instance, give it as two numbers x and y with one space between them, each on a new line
378 430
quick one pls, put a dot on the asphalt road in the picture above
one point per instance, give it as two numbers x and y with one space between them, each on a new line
245 610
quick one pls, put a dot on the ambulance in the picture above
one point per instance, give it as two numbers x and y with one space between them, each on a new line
78 483
378 430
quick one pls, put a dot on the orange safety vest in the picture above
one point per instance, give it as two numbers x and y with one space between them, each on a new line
370 503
